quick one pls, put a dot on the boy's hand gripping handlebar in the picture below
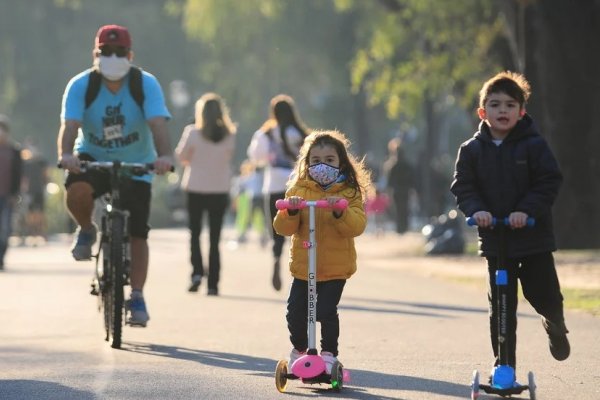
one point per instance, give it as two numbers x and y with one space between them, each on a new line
283 204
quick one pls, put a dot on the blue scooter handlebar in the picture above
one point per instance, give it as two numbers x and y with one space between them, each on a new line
500 221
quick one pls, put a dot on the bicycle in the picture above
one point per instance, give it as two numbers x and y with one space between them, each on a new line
112 275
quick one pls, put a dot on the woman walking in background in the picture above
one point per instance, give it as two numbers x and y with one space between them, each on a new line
206 150
276 146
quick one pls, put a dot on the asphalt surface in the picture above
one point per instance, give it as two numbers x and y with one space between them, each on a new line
404 334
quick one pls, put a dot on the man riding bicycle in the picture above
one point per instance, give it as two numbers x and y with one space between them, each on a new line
115 125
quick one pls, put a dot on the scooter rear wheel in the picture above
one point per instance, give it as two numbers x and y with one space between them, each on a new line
337 376
281 375
475 385
532 387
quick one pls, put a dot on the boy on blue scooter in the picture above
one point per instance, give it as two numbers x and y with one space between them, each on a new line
508 170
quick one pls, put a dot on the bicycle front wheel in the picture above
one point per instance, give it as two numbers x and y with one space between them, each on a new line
115 294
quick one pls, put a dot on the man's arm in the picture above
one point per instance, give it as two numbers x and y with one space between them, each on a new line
66 140
160 134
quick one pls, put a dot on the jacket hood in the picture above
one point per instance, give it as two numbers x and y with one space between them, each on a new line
524 128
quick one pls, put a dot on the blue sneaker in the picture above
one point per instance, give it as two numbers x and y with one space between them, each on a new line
138 315
82 249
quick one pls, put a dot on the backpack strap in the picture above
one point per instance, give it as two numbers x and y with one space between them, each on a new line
93 87
135 86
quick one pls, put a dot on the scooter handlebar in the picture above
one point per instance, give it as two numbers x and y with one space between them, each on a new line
500 221
283 204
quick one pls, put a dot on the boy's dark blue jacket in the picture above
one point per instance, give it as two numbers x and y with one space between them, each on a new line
519 175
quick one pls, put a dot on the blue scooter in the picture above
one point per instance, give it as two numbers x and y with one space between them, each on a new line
503 380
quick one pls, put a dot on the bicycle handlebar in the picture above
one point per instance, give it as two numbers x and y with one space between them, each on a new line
145 167
282 204
500 221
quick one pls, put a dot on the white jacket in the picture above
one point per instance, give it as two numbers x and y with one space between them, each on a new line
262 151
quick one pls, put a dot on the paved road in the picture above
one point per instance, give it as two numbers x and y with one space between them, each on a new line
404 335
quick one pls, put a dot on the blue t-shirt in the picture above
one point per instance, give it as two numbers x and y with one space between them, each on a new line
114 127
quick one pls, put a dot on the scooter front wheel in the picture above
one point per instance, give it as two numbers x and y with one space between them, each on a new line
337 376
475 385
532 387
281 375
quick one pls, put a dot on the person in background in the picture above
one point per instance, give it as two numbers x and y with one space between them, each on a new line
275 146
325 170
400 181
206 151
249 202
376 207
114 127
507 170
10 183
35 179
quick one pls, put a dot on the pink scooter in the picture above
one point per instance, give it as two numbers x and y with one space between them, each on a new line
310 368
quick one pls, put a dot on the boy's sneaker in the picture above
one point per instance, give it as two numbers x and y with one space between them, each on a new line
82 249
294 355
557 338
138 316
329 359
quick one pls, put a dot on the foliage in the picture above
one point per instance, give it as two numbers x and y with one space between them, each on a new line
369 68
425 48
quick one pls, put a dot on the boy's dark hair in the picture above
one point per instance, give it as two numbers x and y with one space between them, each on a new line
513 84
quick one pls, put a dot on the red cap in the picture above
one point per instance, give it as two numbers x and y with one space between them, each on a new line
113 35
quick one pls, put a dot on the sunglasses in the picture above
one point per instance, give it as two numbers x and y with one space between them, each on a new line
109 51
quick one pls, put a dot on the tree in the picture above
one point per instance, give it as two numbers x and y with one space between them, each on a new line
419 55
562 63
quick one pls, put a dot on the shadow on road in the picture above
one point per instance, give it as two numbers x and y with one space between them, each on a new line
26 389
266 367
427 306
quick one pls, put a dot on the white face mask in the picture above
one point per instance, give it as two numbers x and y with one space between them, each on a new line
113 68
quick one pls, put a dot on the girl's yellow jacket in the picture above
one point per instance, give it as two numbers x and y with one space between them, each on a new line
336 254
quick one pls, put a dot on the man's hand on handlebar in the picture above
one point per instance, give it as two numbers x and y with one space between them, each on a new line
163 164
70 163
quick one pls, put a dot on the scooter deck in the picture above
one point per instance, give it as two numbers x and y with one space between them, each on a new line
323 378
504 392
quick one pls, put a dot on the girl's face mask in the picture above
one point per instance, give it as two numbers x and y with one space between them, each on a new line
112 67
323 174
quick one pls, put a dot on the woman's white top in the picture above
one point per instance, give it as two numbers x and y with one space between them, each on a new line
207 164
268 152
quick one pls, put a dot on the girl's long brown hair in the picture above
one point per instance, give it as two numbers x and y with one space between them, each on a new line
357 174
212 117
283 113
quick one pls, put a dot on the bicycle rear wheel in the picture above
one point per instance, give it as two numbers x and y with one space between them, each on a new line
115 297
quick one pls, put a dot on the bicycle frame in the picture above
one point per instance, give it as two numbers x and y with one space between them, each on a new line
113 273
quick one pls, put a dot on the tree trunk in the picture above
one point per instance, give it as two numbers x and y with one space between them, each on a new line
563 60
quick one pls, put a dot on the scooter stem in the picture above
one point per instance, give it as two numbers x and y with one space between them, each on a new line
312 278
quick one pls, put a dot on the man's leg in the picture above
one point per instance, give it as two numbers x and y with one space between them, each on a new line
135 197
139 263
80 204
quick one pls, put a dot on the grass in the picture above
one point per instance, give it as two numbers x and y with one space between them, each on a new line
582 299
587 300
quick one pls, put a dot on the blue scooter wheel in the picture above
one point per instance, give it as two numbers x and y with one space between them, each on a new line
475 385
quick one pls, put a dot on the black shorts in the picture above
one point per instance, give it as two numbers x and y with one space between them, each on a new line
135 196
